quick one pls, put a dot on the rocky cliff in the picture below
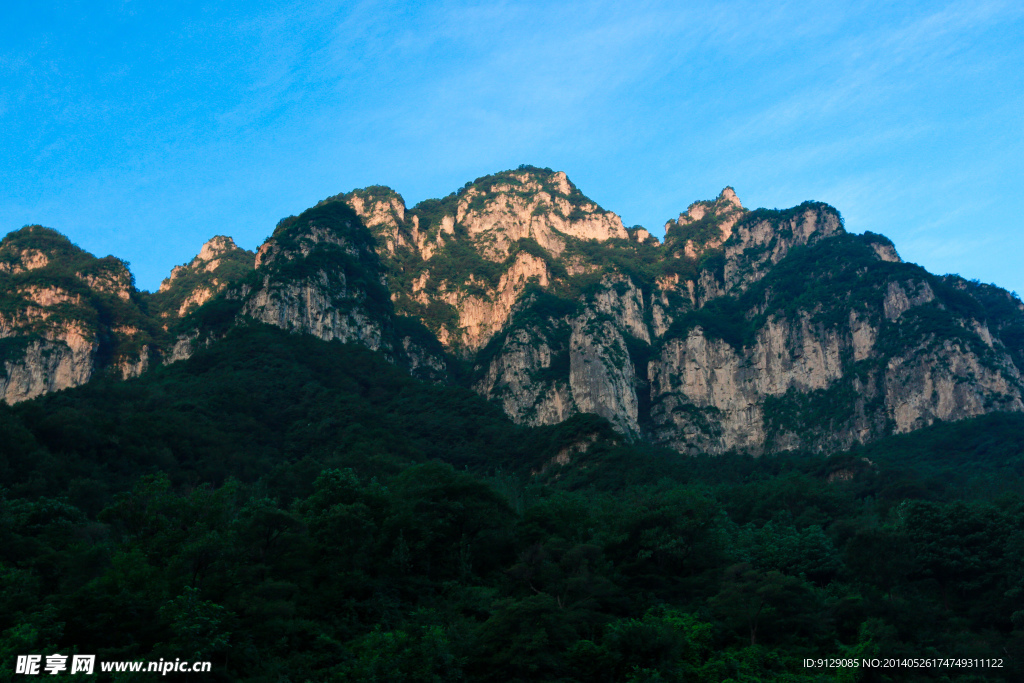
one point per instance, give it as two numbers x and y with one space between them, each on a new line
755 331
319 274
64 314
461 263
746 330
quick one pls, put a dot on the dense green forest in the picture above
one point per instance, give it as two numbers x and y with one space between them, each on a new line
297 510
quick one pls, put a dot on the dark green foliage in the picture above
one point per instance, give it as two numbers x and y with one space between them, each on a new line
722 318
284 506
827 279
1001 310
979 458
823 410
458 260
215 317
699 232
62 258
642 263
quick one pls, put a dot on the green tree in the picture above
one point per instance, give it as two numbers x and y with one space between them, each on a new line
750 598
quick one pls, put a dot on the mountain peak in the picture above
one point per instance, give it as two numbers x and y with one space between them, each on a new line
729 195
215 247
524 179
737 333
727 203
207 260
219 263
33 247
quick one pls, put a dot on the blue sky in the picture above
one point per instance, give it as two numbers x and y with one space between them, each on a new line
143 129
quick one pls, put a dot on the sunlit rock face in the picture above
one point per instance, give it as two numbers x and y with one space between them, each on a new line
319 274
466 259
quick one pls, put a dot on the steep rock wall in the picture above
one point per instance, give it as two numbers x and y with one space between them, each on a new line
64 358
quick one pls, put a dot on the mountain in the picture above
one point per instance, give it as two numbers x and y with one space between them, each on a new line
319 273
294 509
756 331
345 459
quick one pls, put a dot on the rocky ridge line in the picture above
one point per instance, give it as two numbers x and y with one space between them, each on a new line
756 331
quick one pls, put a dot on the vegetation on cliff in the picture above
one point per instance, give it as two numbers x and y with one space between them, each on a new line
219 265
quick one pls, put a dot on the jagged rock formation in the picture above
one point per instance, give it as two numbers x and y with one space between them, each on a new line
319 274
757 331
219 264
66 315
839 344
460 263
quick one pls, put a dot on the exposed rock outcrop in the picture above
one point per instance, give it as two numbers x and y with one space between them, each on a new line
460 263
219 264
64 314
64 357
740 353
319 274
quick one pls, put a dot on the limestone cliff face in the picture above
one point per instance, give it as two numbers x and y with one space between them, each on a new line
601 374
67 316
759 244
64 315
799 382
64 357
322 305
801 385
762 331
880 353
705 225
559 365
734 248
460 263
615 324
551 364
316 276
497 214
529 375
383 211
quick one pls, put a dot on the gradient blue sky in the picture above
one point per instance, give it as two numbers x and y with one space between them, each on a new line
142 129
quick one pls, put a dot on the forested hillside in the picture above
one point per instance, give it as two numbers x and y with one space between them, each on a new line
295 509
